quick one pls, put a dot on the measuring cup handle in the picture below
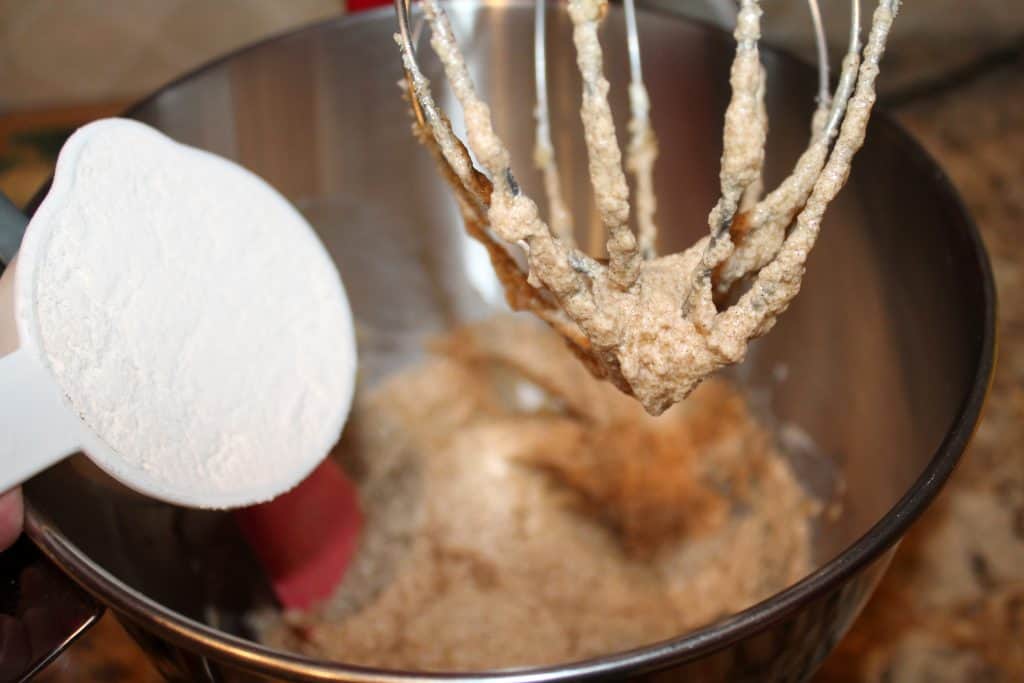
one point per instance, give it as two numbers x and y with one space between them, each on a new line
41 610
38 429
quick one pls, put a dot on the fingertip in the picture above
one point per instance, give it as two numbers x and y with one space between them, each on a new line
11 517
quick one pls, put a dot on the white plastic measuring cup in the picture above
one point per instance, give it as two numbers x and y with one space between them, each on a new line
39 422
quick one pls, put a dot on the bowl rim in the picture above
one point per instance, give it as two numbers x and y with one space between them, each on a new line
871 546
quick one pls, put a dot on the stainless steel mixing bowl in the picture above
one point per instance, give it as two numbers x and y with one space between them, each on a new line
888 351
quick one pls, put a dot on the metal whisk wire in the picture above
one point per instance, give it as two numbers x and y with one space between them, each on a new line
407 46
651 324
429 117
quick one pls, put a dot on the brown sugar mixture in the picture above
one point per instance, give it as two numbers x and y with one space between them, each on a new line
522 513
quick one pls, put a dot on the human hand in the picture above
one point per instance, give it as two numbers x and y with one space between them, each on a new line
11 517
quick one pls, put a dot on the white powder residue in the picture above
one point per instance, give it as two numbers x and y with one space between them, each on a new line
192 318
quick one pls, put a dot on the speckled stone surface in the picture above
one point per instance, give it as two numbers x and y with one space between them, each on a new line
952 606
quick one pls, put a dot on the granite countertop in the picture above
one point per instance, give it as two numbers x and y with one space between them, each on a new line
951 608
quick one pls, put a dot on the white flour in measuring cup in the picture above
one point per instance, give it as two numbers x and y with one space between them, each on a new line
190 316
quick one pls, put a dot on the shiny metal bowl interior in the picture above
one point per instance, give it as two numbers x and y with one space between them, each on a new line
887 352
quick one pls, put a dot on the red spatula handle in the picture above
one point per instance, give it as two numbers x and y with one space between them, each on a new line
306 538
359 5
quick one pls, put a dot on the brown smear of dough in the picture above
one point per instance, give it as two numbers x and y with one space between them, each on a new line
520 512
